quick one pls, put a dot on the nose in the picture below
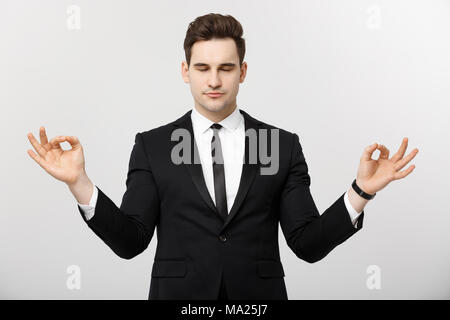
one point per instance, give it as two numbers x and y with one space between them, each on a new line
214 80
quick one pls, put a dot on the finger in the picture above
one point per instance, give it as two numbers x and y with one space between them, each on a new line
384 152
404 173
43 136
400 164
74 142
55 142
40 161
367 154
401 150
39 149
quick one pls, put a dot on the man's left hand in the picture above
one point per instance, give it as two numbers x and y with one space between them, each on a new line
374 175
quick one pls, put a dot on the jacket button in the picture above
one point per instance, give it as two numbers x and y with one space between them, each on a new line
222 238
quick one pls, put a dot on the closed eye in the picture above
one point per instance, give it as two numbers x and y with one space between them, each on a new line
203 70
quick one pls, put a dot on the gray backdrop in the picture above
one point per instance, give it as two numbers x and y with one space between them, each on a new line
341 74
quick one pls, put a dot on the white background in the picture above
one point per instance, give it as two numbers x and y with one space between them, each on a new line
340 74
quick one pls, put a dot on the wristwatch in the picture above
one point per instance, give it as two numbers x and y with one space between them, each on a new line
362 193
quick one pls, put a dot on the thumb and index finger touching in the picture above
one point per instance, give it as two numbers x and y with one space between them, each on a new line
368 151
42 147
384 151
72 140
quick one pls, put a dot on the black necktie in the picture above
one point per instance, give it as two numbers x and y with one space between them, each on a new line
219 172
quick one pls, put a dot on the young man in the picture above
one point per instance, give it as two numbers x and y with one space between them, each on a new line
217 218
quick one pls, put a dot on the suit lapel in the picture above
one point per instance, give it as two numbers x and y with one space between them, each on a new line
248 169
195 169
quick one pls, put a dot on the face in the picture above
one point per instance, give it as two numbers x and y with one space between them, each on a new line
214 67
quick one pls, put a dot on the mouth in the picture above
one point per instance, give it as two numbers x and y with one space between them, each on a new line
214 94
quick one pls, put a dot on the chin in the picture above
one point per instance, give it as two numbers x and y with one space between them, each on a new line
212 107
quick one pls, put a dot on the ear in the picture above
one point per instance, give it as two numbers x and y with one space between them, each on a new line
185 71
243 72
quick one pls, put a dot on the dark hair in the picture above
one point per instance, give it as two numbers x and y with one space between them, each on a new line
214 25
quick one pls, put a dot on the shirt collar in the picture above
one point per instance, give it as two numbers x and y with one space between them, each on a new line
203 124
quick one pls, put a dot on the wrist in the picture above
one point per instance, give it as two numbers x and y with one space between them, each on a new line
82 189
81 180
361 190
357 202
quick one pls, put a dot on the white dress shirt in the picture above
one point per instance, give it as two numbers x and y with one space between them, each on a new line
232 139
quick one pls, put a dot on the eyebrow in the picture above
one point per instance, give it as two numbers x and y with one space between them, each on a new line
228 64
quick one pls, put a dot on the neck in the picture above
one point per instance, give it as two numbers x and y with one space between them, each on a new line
218 115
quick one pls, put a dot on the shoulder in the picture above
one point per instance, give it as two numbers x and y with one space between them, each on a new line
285 136
160 133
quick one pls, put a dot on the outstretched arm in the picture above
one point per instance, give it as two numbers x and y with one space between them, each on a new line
312 236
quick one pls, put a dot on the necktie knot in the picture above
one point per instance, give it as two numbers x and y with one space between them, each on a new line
216 126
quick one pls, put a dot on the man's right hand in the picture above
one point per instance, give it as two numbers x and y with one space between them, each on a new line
65 165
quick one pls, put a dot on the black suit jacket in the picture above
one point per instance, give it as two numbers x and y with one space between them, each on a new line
196 246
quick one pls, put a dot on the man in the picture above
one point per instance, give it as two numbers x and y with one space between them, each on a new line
217 218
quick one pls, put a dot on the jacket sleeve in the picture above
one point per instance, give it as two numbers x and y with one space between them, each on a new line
129 229
309 235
